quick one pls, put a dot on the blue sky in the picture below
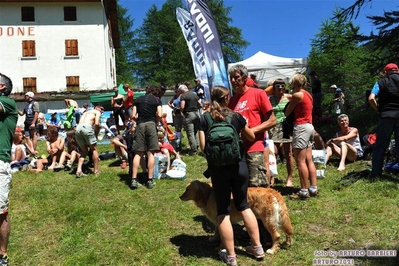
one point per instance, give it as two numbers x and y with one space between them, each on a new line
278 27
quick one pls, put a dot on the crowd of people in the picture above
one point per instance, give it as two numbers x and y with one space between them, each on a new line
142 131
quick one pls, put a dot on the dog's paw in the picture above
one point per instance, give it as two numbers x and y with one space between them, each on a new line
270 251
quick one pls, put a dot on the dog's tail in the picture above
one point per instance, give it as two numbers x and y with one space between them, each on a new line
285 222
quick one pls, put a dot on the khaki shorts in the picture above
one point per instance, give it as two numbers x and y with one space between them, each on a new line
5 184
303 136
276 134
146 137
256 169
85 135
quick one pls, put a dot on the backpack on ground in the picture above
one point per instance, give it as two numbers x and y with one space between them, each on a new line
222 145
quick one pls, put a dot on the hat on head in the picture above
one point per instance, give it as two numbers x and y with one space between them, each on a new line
339 89
30 94
55 113
197 80
333 86
18 129
390 66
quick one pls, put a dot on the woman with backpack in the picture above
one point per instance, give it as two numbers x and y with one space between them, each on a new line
230 178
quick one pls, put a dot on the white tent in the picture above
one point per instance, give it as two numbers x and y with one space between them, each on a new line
267 67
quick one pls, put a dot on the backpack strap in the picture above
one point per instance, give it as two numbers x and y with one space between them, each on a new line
208 119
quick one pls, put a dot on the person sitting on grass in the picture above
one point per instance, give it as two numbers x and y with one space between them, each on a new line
120 147
346 143
22 146
54 146
166 148
72 154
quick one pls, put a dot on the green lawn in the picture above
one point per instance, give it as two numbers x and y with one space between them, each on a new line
60 220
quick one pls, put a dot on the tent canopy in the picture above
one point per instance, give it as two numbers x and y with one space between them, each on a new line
105 99
269 67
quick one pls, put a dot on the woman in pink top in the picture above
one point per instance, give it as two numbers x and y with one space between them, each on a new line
301 104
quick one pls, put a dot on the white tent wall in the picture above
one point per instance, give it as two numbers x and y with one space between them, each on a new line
267 67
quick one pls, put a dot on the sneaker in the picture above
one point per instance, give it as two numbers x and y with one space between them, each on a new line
255 251
68 165
300 196
3 260
59 167
150 183
135 184
229 260
313 193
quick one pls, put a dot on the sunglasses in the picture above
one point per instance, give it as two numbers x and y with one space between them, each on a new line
279 86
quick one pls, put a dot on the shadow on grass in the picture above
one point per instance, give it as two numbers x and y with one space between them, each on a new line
196 246
127 178
354 176
241 236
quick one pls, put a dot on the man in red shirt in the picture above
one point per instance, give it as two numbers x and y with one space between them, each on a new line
255 107
251 81
128 103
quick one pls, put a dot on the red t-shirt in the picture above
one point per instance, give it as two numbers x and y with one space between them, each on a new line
252 105
167 146
251 83
303 110
129 99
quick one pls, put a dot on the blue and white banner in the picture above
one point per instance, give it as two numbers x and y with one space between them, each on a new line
210 49
196 50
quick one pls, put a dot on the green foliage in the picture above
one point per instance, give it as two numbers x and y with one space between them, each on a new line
383 45
124 72
338 57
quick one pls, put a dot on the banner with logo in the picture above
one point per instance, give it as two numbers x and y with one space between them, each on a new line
207 38
197 53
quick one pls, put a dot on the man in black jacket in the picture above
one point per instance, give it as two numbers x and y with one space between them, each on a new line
387 90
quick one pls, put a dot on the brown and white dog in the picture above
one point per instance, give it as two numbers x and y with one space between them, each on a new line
267 204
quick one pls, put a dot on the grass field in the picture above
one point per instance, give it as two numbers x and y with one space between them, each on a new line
60 220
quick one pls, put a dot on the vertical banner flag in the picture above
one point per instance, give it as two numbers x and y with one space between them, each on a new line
207 38
196 51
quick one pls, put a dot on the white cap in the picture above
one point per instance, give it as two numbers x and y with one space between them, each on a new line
333 86
30 94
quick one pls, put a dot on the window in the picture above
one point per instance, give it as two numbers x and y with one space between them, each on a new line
29 84
28 48
70 13
27 13
72 83
71 47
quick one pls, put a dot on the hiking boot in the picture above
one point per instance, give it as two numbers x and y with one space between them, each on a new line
229 260
150 183
3 260
255 251
300 195
135 184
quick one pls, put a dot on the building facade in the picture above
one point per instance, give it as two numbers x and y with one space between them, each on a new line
59 46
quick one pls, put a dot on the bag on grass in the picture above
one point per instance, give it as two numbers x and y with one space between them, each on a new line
319 160
177 170
272 158
222 145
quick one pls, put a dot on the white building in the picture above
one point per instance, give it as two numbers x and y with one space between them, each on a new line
57 46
